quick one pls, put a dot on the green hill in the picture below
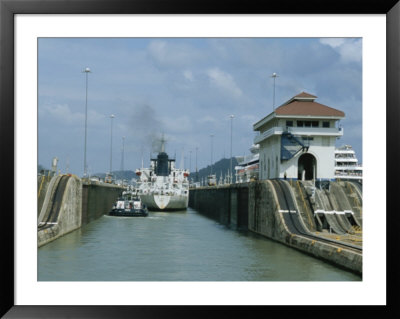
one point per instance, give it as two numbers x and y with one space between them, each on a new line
219 168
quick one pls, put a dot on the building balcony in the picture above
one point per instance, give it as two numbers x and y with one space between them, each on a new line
299 131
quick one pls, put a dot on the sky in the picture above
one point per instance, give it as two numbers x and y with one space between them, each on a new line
186 89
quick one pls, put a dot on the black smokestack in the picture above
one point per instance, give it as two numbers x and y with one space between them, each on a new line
162 164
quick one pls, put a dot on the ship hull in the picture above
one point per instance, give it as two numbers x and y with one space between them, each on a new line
165 202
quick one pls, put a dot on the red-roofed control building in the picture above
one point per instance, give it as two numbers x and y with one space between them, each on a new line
298 140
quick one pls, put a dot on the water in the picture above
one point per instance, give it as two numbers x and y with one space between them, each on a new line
177 246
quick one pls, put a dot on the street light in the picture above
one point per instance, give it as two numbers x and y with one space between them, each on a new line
212 135
274 75
86 71
190 161
197 175
122 156
231 116
112 117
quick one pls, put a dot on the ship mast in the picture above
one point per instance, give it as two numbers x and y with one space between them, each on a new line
162 143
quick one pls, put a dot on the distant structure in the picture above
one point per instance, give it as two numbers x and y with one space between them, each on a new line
297 140
54 163
346 164
247 169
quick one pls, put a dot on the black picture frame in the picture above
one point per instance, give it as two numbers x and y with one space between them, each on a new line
8 10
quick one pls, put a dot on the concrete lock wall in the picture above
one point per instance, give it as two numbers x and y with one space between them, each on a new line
69 216
42 186
97 200
80 205
228 205
254 206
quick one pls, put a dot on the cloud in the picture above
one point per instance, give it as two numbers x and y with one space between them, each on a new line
63 113
333 42
177 124
170 54
188 75
207 119
224 81
249 118
350 50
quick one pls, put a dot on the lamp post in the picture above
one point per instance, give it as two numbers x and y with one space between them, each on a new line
231 179
122 156
112 117
212 135
86 71
274 76
197 175
190 161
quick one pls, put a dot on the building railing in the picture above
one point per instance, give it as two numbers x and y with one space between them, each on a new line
307 131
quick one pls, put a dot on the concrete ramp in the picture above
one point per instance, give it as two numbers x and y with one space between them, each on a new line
326 207
48 199
62 210
344 222
339 198
353 192
333 223
304 204
353 220
340 203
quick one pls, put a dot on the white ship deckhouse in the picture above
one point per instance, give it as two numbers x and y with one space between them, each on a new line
297 140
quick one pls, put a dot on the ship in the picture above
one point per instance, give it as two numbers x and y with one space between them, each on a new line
247 169
162 186
346 164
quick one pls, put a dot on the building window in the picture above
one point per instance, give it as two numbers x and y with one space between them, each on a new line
289 123
307 123
325 124
307 138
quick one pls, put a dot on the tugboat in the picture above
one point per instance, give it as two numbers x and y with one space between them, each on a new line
129 205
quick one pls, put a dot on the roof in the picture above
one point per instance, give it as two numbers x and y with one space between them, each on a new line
303 104
308 108
304 94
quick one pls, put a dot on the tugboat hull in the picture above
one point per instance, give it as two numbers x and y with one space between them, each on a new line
129 213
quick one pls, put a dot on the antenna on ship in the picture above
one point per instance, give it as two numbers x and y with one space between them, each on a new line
162 143
182 164
142 156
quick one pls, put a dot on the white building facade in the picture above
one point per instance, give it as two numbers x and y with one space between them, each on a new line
297 140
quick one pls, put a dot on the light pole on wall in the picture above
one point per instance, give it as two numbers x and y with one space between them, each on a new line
212 135
197 175
86 71
123 150
231 177
112 117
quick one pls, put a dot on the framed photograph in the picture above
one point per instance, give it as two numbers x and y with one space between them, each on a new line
36 35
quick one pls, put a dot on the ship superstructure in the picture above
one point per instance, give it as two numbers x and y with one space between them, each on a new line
248 166
162 186
346 164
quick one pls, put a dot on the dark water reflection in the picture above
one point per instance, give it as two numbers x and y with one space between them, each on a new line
178 246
